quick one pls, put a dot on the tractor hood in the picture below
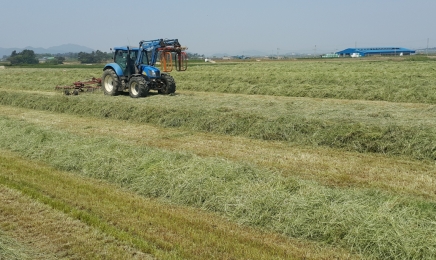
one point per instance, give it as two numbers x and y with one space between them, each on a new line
149 71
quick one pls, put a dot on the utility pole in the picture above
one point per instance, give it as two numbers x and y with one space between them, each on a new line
278 53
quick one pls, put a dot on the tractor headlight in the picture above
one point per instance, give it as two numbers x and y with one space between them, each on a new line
151 72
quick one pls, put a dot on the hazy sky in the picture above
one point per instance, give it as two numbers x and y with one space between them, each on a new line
231 26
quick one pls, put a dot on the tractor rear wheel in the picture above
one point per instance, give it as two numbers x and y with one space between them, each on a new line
138 87
110 82
169 84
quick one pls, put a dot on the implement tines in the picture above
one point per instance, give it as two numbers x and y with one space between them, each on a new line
90 85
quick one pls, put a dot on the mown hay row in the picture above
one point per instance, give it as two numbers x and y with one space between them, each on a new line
109 222
394 81
395 137
12 250
400 81
372 223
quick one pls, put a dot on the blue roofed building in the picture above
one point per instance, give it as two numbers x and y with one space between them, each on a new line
375 51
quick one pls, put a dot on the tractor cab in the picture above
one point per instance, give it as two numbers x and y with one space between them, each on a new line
125 57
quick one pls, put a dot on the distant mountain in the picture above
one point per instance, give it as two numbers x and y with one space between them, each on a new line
64 48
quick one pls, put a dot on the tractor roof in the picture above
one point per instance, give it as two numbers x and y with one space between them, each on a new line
124 48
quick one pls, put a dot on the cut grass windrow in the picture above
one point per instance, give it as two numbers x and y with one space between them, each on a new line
327 166
149 226
372 223
386 128
395 81
10 249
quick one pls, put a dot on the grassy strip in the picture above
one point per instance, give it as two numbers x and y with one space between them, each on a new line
368 222
49 233
169 232
89 219
326 166
376 128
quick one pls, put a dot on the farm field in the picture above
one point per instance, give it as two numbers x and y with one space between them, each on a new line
255 160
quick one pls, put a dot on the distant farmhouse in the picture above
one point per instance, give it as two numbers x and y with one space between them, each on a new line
376 51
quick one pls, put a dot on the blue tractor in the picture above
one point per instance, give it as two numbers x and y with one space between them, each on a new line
134 70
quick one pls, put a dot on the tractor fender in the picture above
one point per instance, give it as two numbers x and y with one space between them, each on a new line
118 70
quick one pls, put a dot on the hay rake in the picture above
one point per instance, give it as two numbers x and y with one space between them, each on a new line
81 86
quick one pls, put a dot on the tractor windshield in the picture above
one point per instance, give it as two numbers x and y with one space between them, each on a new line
121 58
126 60
133 55
146 57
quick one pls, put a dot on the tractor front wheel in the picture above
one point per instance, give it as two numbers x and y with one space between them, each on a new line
169 84
138 87
110 82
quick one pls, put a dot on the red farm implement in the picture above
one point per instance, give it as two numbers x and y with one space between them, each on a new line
81 86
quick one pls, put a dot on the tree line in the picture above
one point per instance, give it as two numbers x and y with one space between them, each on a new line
29 57
24 57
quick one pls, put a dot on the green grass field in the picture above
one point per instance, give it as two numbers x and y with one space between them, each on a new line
311 159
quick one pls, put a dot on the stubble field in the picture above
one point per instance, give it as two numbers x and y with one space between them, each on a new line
313 159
